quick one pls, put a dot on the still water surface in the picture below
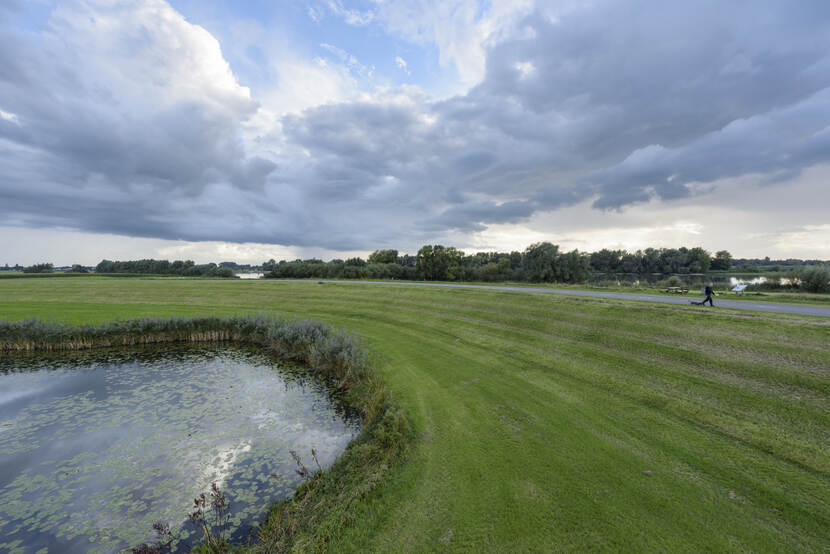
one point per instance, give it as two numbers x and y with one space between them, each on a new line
96 446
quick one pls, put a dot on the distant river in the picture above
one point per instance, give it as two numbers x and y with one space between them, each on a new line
96 446
250 275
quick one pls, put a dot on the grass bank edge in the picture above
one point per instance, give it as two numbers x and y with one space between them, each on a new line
329 500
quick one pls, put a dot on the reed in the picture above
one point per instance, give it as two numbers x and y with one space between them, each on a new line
309 519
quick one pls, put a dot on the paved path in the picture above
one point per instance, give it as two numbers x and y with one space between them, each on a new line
798 309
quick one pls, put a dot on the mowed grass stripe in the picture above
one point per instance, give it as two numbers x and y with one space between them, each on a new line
704 333
538 415
696 397
501 394
750 407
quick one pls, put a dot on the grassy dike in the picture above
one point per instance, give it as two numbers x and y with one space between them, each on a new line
546 423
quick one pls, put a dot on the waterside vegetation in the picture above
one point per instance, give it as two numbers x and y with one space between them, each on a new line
317 511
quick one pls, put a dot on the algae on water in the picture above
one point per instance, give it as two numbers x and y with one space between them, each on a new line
95 449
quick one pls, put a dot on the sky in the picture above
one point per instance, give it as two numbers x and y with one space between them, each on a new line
248 130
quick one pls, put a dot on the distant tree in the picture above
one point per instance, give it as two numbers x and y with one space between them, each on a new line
383 257
77 268
540 261
573 267
159 267
672 260
353 271
606 260
39 268
105 266
698 260
631 263
650 262
408 260
722 260
356 262
383 271
516 259
439 263
496 271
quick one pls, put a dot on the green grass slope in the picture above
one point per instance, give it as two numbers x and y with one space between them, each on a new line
552 423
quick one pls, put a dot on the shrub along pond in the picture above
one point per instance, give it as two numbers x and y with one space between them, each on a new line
97 445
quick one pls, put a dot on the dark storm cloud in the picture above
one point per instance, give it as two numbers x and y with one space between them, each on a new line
777 145
135 127
643 91
466 217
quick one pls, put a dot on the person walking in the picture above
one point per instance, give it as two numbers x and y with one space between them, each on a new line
709 291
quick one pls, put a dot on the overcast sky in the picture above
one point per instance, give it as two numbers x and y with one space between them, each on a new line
229 130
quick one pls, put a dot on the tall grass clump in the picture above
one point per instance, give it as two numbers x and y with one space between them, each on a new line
328 500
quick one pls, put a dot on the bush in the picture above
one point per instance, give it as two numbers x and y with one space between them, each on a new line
673 281
815 279
224 272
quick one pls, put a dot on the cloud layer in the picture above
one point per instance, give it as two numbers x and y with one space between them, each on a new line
123 117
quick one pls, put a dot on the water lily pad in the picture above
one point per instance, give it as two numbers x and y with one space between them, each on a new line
96 447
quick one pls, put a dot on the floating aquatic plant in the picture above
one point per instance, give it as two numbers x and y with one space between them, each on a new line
320 507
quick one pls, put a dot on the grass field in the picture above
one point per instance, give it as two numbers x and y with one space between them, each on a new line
550 422
783 297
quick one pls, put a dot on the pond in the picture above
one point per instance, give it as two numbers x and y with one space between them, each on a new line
96 446
747 281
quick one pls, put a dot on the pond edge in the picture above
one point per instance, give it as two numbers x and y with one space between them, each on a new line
326 503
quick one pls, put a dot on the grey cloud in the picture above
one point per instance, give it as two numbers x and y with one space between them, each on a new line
617 101
777 145
665 72
110 145
623 101
470 162
467 217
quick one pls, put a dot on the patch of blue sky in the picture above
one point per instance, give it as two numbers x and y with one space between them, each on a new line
31 15
339 33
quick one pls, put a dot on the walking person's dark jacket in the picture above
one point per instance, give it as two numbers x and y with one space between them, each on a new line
708 291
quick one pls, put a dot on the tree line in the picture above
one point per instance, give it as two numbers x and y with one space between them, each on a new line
39 268
539 262
185 268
